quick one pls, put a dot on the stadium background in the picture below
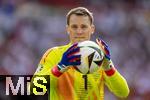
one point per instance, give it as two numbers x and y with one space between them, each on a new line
29 27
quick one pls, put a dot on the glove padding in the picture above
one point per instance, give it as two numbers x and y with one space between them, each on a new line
106 51
69 58
104 47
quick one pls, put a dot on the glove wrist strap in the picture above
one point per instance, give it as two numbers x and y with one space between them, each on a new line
111 71
55 71
62 68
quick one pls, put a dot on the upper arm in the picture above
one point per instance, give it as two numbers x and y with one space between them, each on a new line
48 60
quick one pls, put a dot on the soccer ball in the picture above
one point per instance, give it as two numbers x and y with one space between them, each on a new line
91 57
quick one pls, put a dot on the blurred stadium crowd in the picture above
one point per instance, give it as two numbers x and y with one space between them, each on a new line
29 27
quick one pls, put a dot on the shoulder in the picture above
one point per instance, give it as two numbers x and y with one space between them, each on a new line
63 47
58 50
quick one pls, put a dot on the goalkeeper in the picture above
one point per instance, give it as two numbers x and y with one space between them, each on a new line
68 84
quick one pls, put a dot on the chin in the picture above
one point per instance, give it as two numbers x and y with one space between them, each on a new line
79 41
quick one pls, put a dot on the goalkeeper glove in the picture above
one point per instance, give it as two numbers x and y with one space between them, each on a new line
68 59
107 64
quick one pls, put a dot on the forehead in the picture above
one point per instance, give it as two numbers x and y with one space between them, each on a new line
78 19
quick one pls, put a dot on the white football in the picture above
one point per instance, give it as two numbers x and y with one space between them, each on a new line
91 57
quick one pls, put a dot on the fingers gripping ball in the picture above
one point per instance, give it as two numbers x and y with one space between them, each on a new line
91 57
69 58
104 47
107 65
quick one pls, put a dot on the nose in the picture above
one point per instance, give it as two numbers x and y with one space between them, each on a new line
79 31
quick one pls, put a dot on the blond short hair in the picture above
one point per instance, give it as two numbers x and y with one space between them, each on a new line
80 11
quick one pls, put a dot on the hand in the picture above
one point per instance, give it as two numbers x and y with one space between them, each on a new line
69 59
106 51
104 47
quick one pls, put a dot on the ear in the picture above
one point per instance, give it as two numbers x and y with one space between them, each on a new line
93 29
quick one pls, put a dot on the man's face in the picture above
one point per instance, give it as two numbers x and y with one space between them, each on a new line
80 28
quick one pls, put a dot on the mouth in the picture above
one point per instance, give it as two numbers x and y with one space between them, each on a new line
80 37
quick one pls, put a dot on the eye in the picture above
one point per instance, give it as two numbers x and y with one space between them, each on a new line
84 26
74 26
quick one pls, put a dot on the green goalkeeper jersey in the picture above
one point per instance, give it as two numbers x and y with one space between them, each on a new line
73 85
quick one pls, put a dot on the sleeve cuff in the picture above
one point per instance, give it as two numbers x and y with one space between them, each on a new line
110 72
55 71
